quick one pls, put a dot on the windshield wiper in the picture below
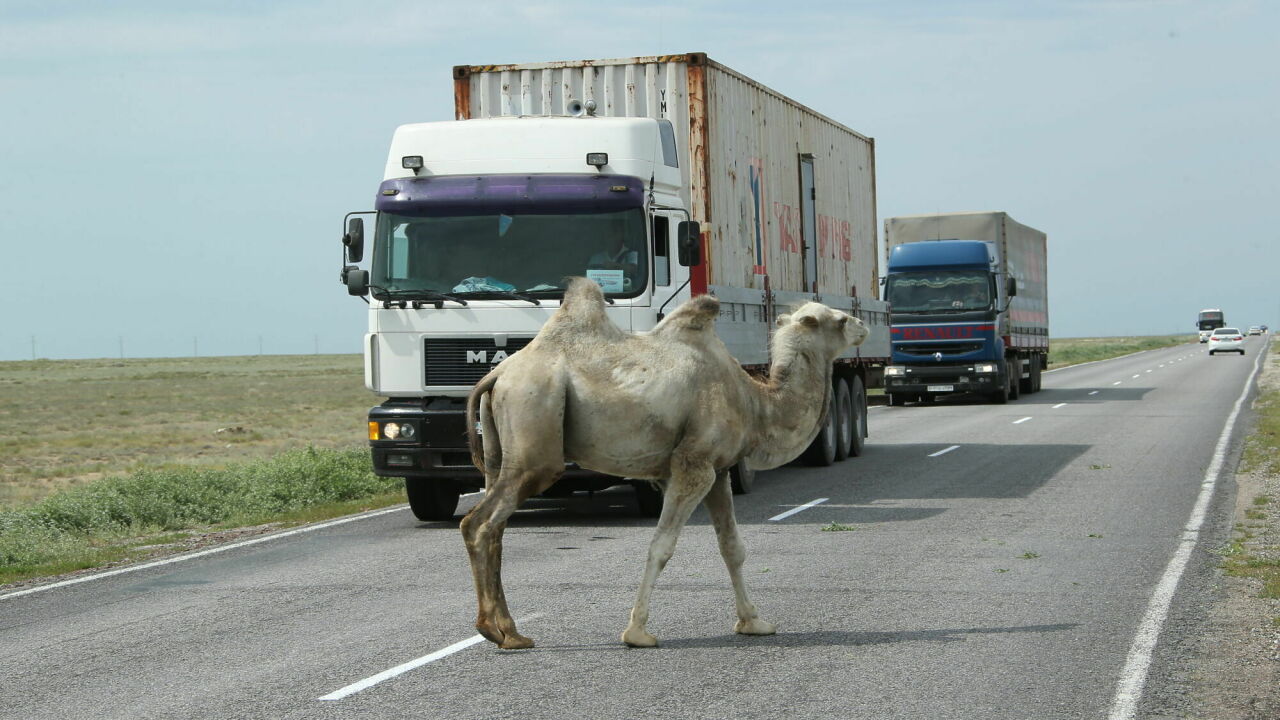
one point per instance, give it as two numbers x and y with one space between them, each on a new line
415 296
510 294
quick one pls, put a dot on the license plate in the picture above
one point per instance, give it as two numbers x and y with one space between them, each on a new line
941 388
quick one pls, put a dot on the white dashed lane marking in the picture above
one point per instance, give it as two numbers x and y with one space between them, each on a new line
794 510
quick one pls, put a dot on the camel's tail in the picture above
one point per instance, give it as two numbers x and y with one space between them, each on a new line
473 412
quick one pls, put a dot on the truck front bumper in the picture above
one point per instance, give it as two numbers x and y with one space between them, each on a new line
436 448
942 379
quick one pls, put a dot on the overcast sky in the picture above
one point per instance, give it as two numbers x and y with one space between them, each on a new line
173 175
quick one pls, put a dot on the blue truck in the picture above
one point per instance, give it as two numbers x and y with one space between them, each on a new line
969 309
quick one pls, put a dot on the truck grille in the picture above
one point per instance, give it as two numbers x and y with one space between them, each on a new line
947 349
463 361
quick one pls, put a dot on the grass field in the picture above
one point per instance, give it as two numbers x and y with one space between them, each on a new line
1073 351
65 422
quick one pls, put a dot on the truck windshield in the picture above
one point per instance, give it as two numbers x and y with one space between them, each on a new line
492 254
934 292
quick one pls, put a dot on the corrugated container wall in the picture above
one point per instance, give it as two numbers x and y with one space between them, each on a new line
742 161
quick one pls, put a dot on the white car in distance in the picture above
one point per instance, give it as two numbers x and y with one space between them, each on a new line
1226 340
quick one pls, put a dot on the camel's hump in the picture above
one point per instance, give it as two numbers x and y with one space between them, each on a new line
699 313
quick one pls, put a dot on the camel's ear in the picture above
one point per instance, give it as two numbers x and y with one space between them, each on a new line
841 322
809 321
784 319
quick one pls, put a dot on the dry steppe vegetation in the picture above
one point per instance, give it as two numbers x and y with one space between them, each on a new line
65 422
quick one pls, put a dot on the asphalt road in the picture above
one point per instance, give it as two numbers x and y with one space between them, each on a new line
1001 562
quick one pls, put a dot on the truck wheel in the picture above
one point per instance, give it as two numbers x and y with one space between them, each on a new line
858 416
648 499
1015 382
1001 396
742 478
843 409
1036 370
432 499
822 451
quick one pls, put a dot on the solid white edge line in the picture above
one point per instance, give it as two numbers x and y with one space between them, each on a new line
795 510
944 451
403 668
1021 420
210 551
1134 674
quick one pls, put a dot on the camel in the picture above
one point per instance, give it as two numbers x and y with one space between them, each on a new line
670 405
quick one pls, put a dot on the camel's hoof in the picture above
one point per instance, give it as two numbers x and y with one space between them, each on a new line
515 641
637 637
755 626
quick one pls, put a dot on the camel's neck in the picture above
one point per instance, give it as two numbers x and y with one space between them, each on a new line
791 406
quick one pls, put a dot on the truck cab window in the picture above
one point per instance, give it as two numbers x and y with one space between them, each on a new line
661 252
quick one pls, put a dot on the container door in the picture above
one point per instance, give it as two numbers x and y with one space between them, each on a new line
809 223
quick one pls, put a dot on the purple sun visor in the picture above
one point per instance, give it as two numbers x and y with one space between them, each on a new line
453 195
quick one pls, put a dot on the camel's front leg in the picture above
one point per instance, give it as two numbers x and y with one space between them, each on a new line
482 530
685 489
720 506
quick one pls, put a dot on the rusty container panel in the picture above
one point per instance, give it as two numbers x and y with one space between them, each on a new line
742 149
758 140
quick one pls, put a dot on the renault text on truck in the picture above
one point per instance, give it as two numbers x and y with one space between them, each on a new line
658 177
969 305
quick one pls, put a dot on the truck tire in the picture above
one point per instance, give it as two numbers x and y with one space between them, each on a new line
1001 396
742 478
1015 382
843 409
858 419
648 499
822 451
432 499
1037 367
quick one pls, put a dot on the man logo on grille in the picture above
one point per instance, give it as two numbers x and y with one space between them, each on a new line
937 356
482 357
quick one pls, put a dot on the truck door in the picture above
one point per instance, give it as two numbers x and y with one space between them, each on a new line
669 279
809 222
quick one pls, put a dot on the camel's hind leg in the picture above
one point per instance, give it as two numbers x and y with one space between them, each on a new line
689 483
482 530
720 505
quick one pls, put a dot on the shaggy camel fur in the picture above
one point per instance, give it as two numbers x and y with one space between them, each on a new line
668 405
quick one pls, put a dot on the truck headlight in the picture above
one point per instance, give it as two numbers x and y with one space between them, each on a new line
985 368
894 371
398 431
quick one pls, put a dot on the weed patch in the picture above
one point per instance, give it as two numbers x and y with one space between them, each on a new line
116 518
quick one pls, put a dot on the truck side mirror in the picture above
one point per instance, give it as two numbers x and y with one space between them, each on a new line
689 243
1013 287
354 240
356 280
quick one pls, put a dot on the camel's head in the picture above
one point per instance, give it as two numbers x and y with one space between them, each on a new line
831 330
